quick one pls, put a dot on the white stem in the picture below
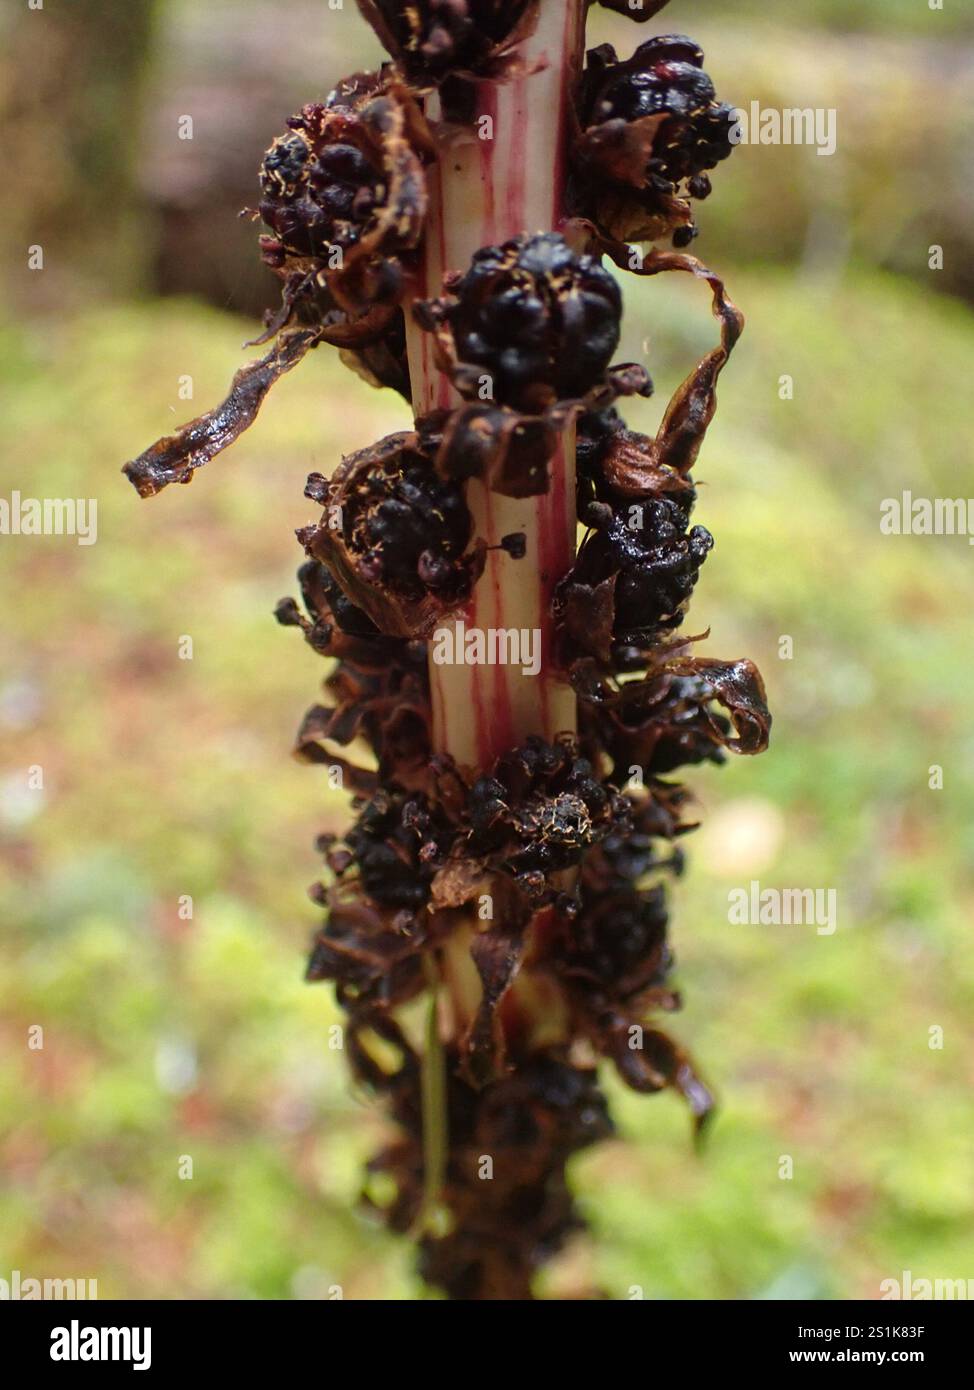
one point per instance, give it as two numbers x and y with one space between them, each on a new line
482 192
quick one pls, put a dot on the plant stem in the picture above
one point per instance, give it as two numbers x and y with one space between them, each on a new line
482 192
435 1124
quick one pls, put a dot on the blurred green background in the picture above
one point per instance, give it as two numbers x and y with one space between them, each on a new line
167 1035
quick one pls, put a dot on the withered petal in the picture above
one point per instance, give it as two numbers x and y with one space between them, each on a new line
497 953
738 686
173 459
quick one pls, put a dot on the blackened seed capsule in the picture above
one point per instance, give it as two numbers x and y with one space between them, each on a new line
541 321
515 544
663 78
655 557
313 184
432 39
403 527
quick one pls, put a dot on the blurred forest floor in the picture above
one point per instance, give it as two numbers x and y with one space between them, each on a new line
166 777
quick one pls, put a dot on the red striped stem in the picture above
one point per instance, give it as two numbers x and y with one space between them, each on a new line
482 192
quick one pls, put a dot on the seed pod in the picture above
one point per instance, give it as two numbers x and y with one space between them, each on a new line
344 194
650 128
396 535
538 810
531 323
632 578
431 40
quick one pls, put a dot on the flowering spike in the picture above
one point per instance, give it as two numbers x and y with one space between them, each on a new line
508 709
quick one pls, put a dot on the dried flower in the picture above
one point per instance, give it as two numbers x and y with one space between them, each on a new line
529 324
651 128
529 1124
395 534
344 194
634 573
434 40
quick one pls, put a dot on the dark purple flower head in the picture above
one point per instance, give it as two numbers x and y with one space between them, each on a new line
651 129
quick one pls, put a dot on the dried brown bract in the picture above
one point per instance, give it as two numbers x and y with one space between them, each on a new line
377 691
372 954
613 959
528 1124
682 710
174 458
509 450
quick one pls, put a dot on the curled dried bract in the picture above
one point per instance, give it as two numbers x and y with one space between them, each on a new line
378 691
612 958
509 450
682 710
373 954
174 458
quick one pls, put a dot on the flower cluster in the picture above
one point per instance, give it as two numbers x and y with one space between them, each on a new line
396 535
433 41
507 1221
651 128
529 324
344 195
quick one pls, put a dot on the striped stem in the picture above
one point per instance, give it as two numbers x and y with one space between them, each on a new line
482 192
